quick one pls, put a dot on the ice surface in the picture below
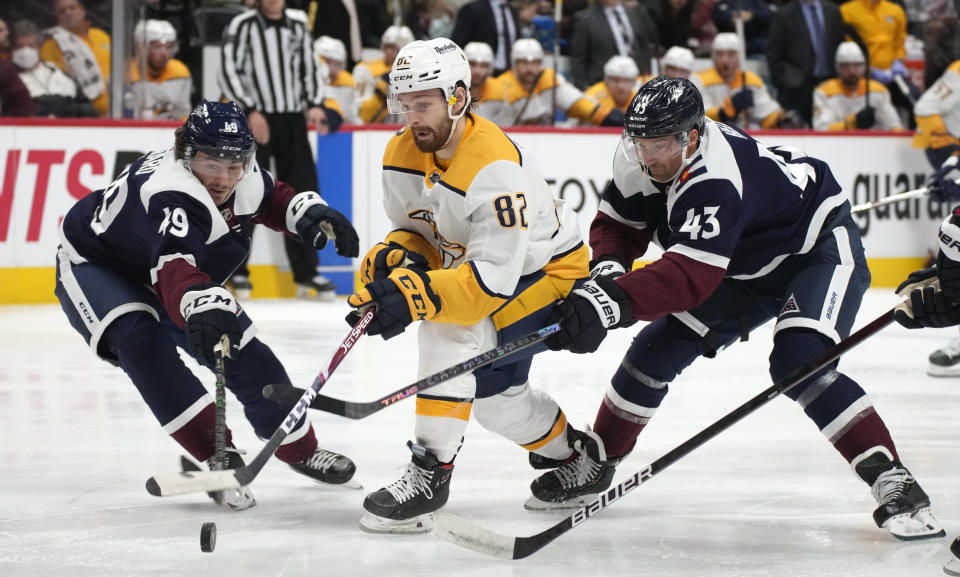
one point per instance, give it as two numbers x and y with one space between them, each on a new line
767 497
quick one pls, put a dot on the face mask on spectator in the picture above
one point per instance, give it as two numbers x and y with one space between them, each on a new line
25 57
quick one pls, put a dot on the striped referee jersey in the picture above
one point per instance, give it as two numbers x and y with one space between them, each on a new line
268 65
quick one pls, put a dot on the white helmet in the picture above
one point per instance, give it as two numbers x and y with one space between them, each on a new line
330 48
478 52
526 49
399 36
148 31
620 67
726 41
678 57
849 53
425 64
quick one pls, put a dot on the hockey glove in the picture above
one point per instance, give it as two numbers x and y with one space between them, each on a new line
942 186
586 315
948 259
927 306
607 265
211 312
613 118
384 257
313 220
401 298
865 118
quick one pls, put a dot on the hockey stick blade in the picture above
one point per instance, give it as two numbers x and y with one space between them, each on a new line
287 395
206 481
469 535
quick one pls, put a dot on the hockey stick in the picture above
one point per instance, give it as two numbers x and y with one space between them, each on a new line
206 481
918 192
286 395
220 350
461 532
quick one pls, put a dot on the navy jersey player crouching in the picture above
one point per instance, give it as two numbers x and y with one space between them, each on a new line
140 271
749 233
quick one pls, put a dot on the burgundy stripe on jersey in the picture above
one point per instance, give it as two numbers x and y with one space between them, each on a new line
173 280
673 284
611 237
274 215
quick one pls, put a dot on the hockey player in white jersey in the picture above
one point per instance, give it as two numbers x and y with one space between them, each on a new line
488 251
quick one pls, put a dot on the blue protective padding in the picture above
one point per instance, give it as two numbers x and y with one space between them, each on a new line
335 175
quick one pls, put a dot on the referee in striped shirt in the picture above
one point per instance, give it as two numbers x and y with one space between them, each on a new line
267 67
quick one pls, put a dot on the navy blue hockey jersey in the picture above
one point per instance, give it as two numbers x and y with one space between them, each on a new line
157 224
738 209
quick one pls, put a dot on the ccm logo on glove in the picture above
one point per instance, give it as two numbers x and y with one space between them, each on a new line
199 301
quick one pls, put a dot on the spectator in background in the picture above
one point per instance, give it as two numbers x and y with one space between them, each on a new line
804 35
161 84
674 23
331 56
606 29
4 40
842 103
488 94
677 62
536 94
54 94
735 96
14 97
429 19
374 19
338 19
80 50
756 16
491 22
882 25
941 39
372 77
260 46
621 80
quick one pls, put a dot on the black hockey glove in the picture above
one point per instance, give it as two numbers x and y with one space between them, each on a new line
942 186
607 265
401 298
742 100
384 257
211 312
586 315
865 118
613 118
314 221
948 259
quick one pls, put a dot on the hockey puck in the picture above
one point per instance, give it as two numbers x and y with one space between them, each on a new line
208 537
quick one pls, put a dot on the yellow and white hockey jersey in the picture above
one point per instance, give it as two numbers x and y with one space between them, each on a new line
166 96
497 240
938 111
341 89
765 112
835 108
492 103
535 107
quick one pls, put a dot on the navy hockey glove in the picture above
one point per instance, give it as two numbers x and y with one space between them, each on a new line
927 306
384 257
313 220
865 118
941 184
613 118
742 100
211 312
586 315
401 298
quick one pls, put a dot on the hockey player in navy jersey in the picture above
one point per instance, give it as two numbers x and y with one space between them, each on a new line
749 233
140 271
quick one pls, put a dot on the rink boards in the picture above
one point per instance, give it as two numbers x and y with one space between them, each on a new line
45 166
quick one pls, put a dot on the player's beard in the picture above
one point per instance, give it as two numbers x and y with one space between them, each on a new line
436 138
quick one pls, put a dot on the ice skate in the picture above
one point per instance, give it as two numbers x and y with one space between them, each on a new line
577 481
329 468
318 288
952 566
240 286
904 508
236 499
945 362
407 505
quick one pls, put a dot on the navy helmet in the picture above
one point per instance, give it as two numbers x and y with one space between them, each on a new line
664 106
220 130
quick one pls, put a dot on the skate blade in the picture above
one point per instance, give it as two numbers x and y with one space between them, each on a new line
952 567
351 485
375 524
942 371
238 499
534 504
311 294
912 527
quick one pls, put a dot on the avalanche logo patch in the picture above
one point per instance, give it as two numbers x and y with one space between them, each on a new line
790 306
